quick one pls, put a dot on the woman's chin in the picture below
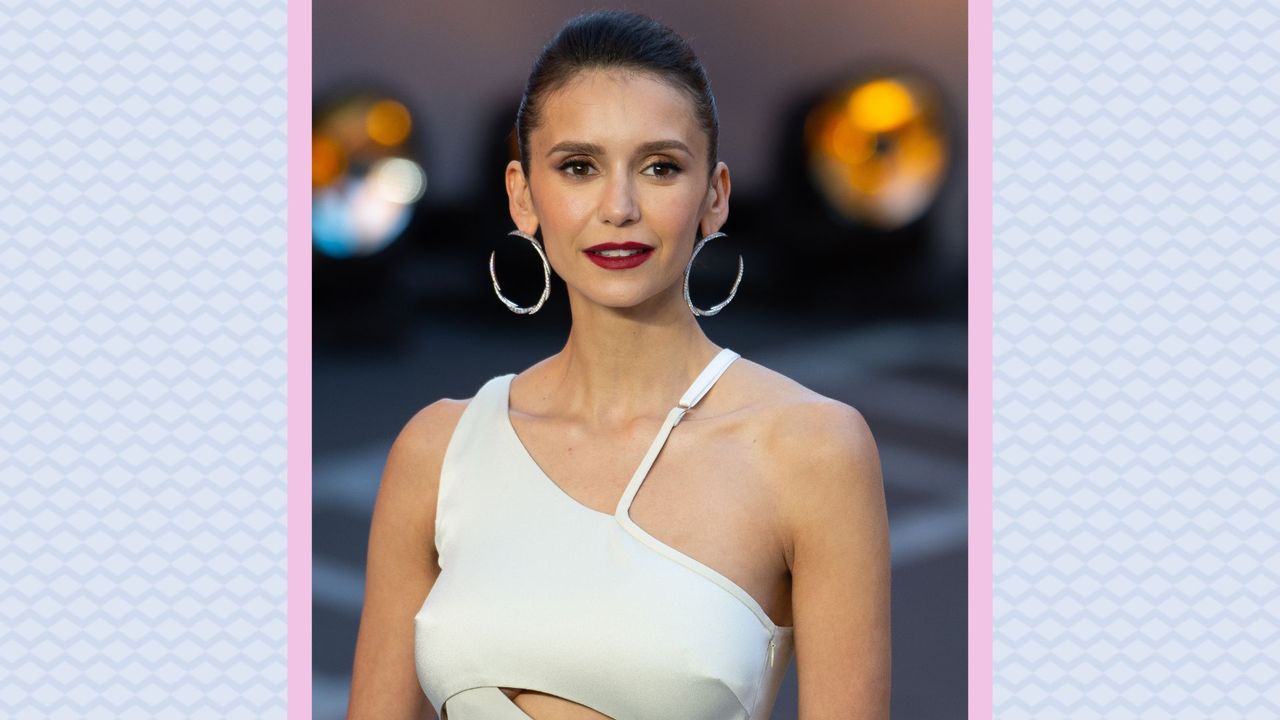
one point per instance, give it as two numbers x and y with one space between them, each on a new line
629 299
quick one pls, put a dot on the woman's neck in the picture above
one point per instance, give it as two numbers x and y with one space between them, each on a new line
616 367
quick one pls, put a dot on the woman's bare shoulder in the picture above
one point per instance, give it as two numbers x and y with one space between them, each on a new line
816 454
428 422
797 426
410 481
425 436
776 399
417 452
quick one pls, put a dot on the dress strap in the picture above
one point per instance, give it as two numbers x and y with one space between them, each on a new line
707 378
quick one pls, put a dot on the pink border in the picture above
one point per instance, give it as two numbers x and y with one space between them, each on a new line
299 349
980 361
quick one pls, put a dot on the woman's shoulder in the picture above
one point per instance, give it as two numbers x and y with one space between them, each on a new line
784 404
410 481
419 447
794 425
816 456
429 428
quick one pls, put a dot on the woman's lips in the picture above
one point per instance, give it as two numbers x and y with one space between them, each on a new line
622 260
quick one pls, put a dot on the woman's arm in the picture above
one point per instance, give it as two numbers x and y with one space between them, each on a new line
839 530
401 569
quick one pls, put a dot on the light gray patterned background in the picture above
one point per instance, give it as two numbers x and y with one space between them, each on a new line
142 359
1136 343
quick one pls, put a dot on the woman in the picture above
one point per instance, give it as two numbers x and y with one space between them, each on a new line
644 525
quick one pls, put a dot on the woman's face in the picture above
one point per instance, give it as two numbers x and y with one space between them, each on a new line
618 157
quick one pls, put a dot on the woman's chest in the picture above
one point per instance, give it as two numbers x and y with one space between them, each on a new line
709 495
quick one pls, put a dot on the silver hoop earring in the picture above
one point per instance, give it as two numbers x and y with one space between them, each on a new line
720 306
546 277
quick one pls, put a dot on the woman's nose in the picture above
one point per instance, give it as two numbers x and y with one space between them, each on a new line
619 205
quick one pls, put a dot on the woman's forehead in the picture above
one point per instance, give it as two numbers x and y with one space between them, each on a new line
610 107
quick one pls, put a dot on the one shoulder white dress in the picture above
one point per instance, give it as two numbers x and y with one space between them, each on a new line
539 592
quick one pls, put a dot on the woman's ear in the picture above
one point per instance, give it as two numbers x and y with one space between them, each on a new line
519 199
716 206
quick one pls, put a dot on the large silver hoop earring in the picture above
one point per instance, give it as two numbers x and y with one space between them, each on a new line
546 277
720 306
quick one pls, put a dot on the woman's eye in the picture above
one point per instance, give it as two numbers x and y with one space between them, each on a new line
664 169
570 165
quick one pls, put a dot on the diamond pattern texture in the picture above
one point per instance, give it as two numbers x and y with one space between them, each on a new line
1136 345
142 359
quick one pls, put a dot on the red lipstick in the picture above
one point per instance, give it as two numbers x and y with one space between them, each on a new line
619 256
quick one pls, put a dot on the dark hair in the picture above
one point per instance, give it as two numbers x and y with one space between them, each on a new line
622 39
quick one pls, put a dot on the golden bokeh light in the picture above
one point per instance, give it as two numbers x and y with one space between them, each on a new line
877 150
881 105
388 122
328 161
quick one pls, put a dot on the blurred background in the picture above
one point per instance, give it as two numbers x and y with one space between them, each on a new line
844 129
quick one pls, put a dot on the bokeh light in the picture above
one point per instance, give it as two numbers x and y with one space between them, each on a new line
877 149
365 178
388 122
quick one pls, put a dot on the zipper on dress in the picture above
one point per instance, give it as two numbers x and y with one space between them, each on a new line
771 643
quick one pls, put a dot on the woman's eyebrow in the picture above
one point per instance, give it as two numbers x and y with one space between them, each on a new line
660 145
586 148
573 146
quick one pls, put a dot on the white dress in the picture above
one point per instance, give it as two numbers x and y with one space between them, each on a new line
537 591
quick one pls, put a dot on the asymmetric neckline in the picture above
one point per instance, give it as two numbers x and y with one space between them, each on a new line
621 514
538 591
707 377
